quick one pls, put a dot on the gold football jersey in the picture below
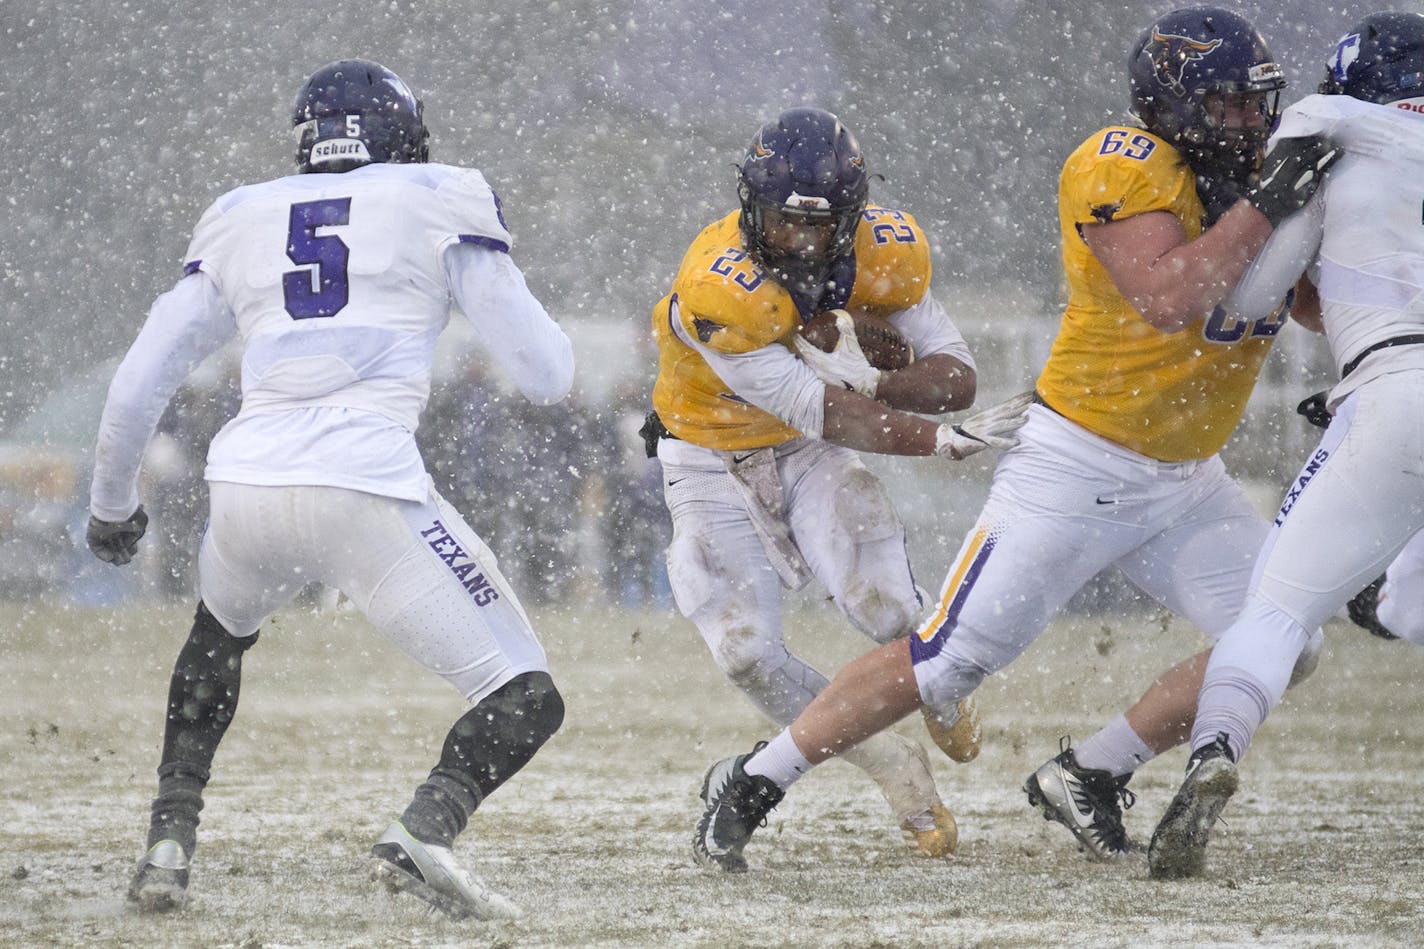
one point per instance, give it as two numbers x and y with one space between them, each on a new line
730 305
1171 396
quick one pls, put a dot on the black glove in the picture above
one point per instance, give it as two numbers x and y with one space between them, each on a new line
1314 410
1218 195
116 542
1293 169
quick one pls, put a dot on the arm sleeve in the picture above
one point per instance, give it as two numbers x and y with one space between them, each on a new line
770 377
1291 248
931 331
185 326
511 325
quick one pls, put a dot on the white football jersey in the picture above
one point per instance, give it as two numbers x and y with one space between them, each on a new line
338 285
1360 239
336 280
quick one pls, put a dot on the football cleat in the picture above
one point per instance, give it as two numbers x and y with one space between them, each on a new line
160 882
1178 847
962 738
1089 802
1362 610
736 803
933 833
430 872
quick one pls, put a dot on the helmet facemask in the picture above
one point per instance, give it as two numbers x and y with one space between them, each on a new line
1230 138
798 242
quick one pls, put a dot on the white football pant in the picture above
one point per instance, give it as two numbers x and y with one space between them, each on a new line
852 541
1357 502
1065 505
417 571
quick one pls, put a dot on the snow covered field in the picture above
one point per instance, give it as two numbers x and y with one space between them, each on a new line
1320 848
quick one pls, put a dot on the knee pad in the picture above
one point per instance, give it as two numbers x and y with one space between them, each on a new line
692 572
497 737
948 679
212 637
864 510
879 612
527 710
874 600
740 651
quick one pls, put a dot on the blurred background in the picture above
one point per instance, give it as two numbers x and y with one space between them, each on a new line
610 129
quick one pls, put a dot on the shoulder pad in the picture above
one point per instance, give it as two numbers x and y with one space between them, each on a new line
724 301
892 262
1120 172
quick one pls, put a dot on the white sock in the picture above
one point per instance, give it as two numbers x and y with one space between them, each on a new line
780 760
1116 749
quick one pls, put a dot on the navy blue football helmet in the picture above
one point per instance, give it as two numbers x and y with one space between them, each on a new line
1381 59
807 168
1184 66
354 112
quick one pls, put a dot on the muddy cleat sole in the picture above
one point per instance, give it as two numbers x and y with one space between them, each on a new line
431 873
160 883
934 834
961 739
1178 848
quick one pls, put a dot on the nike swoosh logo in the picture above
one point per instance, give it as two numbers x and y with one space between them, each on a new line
676 481
1107 500
1081 815
738 459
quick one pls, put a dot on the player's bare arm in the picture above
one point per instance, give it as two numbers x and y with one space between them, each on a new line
855 421
1171 281
933 385
858 422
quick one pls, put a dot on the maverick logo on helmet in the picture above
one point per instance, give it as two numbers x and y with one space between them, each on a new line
1171 53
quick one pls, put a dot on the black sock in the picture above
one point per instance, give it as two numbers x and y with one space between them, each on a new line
175 810
202 697
485 748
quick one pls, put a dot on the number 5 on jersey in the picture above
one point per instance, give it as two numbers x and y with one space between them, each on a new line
321 288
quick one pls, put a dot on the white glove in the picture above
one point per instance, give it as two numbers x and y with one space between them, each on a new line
990 428
846 365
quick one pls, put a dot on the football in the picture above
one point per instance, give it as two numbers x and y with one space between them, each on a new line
885 347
